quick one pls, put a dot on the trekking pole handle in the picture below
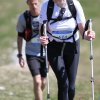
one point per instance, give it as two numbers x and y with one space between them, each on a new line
90 26
45 23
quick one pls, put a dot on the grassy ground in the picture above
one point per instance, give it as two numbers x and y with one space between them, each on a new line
16 84
8 17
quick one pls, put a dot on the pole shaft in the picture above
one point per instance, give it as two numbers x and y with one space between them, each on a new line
91 60
47 65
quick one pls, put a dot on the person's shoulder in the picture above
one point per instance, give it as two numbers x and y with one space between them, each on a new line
76 1
45 2
21 16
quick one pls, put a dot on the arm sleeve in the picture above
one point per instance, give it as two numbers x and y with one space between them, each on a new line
21 24
80 17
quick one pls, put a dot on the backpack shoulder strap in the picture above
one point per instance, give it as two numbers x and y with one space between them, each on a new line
50 8
28 31
27 17
72 8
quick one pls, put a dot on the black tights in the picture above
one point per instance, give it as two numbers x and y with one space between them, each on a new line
65 68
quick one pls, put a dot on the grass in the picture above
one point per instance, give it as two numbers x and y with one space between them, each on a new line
8 18
18 83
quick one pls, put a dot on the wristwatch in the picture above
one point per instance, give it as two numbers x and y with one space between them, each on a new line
19 55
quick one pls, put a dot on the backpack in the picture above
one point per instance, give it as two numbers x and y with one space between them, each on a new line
27 34
50 8
73 11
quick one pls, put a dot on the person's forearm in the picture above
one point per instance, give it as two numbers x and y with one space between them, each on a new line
81 28
19 44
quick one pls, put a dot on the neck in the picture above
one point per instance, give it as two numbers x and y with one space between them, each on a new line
34 13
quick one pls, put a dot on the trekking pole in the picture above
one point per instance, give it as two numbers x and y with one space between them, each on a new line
91 60
47 66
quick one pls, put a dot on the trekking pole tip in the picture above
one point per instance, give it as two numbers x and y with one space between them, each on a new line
90 26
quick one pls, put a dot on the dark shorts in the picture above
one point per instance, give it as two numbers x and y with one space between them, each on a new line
36 65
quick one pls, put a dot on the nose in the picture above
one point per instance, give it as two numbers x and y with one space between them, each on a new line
34 5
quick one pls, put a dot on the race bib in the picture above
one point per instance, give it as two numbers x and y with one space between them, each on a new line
62 34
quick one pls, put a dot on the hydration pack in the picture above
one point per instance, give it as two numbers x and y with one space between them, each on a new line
27 34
